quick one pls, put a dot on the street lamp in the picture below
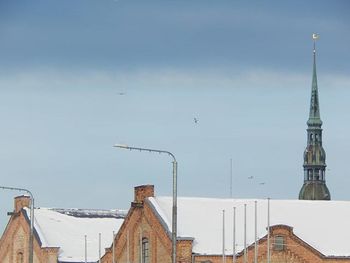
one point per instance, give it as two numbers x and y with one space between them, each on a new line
174 211
31 248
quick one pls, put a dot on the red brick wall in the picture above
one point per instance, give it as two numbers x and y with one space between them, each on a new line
142 217
296 251
15 241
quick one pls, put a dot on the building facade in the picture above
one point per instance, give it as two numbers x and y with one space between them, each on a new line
295 234
60 235
14 242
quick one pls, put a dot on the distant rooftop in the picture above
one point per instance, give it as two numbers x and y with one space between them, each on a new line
66 229
91 213
315 222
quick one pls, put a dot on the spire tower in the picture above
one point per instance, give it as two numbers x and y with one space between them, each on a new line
314 187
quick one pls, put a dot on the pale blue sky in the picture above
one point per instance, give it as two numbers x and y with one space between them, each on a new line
243 69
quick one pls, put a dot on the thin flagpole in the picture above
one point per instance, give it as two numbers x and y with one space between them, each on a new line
223 237
234 236
85 249
268 230
113 252
256 235
231 178
245 233
99 247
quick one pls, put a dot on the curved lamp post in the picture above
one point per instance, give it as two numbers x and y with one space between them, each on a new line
174 211
31 248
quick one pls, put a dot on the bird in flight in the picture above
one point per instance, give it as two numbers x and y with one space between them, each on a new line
121 93
195 120
262 183
250 177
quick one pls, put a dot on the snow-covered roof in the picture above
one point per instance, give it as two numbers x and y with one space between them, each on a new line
66 229
315 222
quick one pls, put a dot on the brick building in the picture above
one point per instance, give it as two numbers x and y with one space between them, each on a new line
59 234
301 231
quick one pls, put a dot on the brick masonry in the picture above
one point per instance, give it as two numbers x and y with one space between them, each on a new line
141 222
15 239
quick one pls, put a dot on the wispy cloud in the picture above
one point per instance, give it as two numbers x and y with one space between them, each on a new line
166 80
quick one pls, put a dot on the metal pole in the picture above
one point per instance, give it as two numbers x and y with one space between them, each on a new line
31 235
174 215
256 235
113 248
85 249
231 179
223 237
245 233
268 230
99 247
234 236
174 208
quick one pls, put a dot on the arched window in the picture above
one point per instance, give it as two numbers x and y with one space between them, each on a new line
145 250
309 172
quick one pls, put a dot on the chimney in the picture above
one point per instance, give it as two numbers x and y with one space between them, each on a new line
21 201
142 192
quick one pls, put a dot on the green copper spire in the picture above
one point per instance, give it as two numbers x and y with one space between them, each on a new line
314 116
314 187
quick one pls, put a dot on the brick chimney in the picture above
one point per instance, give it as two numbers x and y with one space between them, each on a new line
143 191
21 201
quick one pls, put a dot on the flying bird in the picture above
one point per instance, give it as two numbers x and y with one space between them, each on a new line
250 177
262 183
195 120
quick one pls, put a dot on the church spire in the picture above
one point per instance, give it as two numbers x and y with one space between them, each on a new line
314 116
314 187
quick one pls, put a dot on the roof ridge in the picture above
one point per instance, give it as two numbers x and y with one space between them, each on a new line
89 213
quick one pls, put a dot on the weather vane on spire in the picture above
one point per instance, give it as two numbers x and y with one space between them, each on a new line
315 36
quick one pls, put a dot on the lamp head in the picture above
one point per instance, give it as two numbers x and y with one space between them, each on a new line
123 146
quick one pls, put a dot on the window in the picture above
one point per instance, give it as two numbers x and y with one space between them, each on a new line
311 137
309 172
279 243
317 174
145 250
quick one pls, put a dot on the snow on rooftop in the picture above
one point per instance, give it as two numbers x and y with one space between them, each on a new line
315 222
92 213
59 228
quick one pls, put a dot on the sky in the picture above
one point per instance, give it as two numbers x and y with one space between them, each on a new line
78 76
